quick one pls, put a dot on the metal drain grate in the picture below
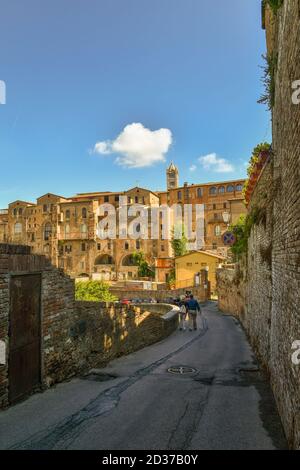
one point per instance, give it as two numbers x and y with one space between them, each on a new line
181 370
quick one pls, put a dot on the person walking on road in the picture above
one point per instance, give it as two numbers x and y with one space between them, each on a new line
193 308
182 313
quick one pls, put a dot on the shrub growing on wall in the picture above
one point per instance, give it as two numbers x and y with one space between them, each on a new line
274 4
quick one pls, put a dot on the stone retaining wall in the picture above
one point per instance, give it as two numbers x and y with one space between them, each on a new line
76 335
200 293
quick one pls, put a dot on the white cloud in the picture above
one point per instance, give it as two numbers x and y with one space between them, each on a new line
215 163
103 147
193 168
137 146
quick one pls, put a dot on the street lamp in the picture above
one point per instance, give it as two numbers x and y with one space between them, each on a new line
226 218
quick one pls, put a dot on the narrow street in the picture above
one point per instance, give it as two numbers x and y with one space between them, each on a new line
223 402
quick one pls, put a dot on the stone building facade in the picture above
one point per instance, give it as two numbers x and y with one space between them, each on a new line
65 229
264 290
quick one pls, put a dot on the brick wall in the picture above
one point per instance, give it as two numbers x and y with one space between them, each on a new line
271 284
285 319
258 290
76 335
231 291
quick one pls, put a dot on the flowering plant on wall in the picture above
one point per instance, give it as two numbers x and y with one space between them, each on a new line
258 159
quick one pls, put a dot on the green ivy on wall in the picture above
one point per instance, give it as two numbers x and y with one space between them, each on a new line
242 230
274 5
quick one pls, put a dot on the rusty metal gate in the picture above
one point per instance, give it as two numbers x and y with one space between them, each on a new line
24 336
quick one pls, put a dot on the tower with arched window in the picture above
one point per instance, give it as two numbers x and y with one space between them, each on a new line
172 176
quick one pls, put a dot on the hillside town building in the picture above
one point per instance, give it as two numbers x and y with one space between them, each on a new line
65 228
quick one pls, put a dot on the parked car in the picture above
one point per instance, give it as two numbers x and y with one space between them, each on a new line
125 302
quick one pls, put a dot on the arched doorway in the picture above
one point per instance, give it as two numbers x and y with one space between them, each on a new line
104 260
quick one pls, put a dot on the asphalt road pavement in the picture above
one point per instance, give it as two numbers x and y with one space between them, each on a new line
194 390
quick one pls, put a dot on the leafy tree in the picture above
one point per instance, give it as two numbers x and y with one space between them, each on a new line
94 291
172 279
145 270
179 243
240 231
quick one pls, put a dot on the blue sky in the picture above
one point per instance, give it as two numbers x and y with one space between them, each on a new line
79 73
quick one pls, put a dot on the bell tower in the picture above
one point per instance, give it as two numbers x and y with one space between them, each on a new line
172 176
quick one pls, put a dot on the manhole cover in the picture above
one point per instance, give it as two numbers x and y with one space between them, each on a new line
181 370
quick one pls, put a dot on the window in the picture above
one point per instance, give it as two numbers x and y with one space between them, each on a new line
18 228
215 246
189 265
99 246
126 246
221 189
45 208
67 230
15 211
179 195
199 192
138 228
67 214
117 198
47 231
213 190
214 207
239 187
68 249
20 211
136 199
83 228
216 216
69 263
217 230
84 213
230 188
109 245
162 247
225 205
106 198
138 244
83 247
